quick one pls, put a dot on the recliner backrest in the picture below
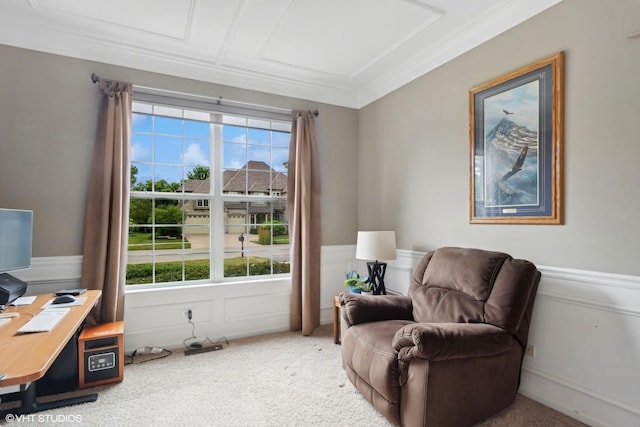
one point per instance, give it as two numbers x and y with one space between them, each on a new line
466 285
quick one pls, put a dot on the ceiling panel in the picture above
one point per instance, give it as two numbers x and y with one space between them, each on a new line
343 52
253 25
344 36
213 22
169 18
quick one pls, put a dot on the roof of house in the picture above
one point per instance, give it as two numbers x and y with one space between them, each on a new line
195 186
254 177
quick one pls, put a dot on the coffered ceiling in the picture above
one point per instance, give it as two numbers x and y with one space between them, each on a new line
343 52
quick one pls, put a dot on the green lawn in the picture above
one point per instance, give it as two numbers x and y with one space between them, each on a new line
144 242
277 240
193 270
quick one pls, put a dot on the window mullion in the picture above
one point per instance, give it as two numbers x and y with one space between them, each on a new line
216 205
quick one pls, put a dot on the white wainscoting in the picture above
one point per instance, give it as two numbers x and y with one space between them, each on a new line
586 332
155 317
585 327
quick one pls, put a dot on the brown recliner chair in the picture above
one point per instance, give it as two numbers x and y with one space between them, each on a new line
449 353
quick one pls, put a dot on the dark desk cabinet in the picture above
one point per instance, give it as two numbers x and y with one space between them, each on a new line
63 374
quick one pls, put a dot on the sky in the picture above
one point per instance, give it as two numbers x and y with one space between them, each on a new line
522 101
162 138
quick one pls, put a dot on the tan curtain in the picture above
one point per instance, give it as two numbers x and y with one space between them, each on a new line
303 197
106 223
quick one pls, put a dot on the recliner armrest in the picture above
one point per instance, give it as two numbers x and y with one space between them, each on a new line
442 341
359 308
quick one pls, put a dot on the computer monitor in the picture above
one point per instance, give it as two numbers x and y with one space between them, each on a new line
16 237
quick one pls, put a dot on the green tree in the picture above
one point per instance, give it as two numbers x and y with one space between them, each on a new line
169 214
142 186
278 228
139 211
161 186
134 175
167 187
199 172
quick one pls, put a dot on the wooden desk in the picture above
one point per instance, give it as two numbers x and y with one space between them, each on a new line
25 358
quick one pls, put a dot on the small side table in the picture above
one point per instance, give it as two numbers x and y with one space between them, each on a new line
336 319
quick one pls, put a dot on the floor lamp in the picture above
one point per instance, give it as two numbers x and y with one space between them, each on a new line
376 245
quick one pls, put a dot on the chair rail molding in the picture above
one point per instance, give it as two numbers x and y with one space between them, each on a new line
48 269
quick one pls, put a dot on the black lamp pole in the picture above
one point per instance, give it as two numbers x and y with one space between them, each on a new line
241 239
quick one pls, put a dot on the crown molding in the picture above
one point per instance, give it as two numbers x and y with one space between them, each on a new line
272 78
494 22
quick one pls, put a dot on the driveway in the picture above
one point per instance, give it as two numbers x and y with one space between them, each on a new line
200 244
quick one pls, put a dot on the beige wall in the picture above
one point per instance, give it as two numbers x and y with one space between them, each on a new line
48 115
409 170
418 139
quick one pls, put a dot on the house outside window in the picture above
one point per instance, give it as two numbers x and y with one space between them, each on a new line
203 207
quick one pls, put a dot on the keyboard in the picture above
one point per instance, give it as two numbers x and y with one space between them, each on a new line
44 321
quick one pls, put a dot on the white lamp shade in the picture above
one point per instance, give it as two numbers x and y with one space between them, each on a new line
376 245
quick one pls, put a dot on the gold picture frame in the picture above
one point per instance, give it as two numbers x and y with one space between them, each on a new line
516 128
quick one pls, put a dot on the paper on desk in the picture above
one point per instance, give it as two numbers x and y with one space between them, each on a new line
78 301
23 301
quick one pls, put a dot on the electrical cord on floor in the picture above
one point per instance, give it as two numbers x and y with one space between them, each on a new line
161 353
196 344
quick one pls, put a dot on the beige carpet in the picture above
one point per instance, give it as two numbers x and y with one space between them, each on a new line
280 379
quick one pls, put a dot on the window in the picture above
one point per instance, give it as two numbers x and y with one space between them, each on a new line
208 196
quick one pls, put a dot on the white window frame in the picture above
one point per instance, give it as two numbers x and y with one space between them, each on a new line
216 199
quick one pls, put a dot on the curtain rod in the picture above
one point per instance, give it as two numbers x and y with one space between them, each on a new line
218 100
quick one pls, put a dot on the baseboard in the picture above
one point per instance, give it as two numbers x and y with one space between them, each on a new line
575 401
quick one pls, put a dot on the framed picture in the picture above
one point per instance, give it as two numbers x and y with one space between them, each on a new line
516 130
